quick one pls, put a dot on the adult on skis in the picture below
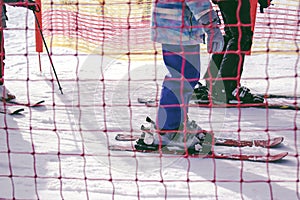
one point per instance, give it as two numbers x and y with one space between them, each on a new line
22 3
225 70
180 26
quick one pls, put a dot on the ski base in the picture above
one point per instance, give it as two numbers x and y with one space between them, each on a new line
267 143
214 155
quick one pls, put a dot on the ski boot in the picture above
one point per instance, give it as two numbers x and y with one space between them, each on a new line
151 140
201 94
198 141
243 95
191 138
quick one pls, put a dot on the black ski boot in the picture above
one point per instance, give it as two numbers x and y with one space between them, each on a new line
243 95
201 94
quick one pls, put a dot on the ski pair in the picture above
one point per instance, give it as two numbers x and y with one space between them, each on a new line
266 143
214 155
179 151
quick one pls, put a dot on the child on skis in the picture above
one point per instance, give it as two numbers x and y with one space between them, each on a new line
180 26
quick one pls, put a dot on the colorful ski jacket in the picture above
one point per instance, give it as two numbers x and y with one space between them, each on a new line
177 21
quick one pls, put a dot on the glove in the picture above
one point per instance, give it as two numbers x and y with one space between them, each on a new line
264 3
215 40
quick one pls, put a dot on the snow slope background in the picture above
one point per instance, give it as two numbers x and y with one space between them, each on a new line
59 151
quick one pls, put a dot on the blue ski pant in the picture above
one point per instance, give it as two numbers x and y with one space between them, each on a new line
183 64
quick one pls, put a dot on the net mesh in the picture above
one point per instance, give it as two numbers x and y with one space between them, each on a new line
105 61
125 26
113 24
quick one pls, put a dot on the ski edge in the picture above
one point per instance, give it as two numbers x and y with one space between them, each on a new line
250 157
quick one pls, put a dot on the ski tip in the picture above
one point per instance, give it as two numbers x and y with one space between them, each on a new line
279 139
274 142
17 112
39 103
279 156
284 154
117 137
272 158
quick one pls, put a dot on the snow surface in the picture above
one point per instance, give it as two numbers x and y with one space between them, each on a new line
60 151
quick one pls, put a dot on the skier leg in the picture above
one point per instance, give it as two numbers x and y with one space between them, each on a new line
240 42
183 64
4 92
172 127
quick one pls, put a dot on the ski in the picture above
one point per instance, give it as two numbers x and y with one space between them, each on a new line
206 104
267 96
275 96
215 155
11 112
266 143
281 106
14 102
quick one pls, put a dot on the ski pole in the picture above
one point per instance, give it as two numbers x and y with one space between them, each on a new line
51 62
